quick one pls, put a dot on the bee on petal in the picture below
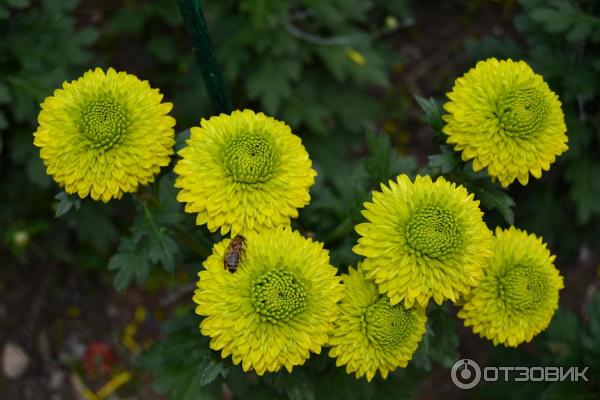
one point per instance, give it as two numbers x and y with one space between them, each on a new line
234 252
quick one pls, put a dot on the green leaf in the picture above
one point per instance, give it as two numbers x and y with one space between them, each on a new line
163 249
433 112
65 203
582 175
553 20
170 211
130 263
562 16
493 198
154 226
446 162
183 362
443 348
272 83
296 386
181 139
383 161
147 229
440 342
501 48
151 241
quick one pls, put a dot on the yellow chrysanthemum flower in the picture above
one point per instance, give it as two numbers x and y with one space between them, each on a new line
371 334
519 293
277 307
105 134
504 116
244 172
423 240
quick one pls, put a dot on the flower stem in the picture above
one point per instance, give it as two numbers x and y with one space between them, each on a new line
191 11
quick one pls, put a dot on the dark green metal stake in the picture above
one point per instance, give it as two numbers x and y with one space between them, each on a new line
191 10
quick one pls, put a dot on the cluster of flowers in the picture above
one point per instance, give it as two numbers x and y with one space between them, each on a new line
247 174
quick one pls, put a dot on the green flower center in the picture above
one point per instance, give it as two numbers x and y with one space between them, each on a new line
522 111
433 232
523 288
278 296
387 325
103 121
249 159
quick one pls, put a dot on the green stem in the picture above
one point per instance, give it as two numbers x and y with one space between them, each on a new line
191 10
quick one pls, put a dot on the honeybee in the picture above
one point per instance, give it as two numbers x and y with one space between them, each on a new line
234 253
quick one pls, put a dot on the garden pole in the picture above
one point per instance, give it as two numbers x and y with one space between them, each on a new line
191 10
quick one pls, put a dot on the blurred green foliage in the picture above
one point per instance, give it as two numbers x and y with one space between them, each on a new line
321 67
563 45
40 47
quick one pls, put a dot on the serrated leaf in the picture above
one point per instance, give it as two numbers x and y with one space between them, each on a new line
163 249
154 225
130 263
433 112
210 371
493 198
446 162
297 386
182 362
160 245
65 203
383 161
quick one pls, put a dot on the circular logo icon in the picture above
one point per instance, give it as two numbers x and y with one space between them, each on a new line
465 373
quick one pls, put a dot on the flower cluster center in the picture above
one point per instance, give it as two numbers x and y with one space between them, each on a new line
387 325
432 231
278 296
249 159
103 121
522 288
522 111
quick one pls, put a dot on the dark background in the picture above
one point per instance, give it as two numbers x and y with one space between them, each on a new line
343 74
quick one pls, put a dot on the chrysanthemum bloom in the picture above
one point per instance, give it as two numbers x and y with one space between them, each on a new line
423 240
519 293
244 172
105 134
371 334
277 307
505 118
